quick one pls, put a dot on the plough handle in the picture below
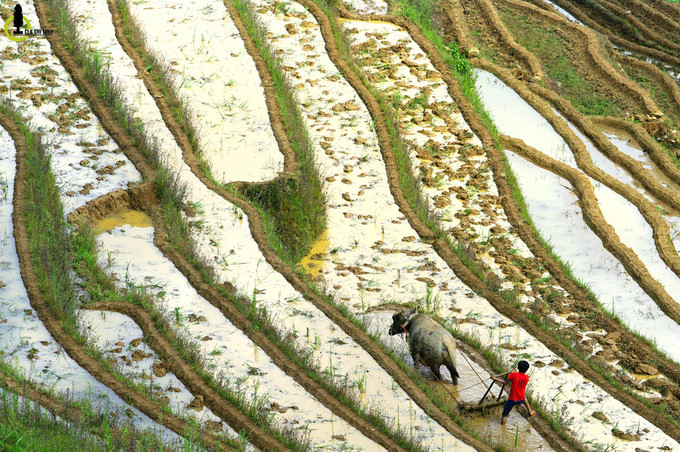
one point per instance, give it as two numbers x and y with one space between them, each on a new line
487 391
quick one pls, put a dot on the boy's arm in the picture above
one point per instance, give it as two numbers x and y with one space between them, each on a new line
497 378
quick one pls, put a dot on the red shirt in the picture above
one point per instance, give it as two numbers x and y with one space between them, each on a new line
519 384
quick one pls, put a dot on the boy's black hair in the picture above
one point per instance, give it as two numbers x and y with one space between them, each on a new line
523 366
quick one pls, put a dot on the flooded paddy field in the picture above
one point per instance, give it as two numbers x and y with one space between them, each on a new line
211 211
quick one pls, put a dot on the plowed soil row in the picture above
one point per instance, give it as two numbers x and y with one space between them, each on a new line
513 213
76 352
630 343
651 124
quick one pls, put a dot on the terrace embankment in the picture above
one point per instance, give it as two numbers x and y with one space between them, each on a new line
506 40
634 25
255 221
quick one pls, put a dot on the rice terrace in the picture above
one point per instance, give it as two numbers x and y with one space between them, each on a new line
220 219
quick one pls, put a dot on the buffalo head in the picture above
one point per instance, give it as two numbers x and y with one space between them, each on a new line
400 320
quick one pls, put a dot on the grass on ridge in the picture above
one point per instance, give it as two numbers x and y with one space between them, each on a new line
293 207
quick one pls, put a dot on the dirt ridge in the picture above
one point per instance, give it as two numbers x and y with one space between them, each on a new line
639 26
54 405
666 81
194 382
279 129
492 18
651 147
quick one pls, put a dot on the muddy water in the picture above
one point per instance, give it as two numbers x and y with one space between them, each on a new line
314 262
25 343
128 217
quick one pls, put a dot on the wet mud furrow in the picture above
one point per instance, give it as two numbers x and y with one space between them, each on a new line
644 33
633 18
152 409
454 13
655 15
474 282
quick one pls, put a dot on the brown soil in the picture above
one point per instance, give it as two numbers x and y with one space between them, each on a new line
623 35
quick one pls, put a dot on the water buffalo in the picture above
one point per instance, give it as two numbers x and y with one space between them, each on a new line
429 342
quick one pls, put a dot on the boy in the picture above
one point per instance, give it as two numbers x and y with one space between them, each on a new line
519 382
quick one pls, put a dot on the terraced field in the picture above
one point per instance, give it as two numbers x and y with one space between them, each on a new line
212 210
